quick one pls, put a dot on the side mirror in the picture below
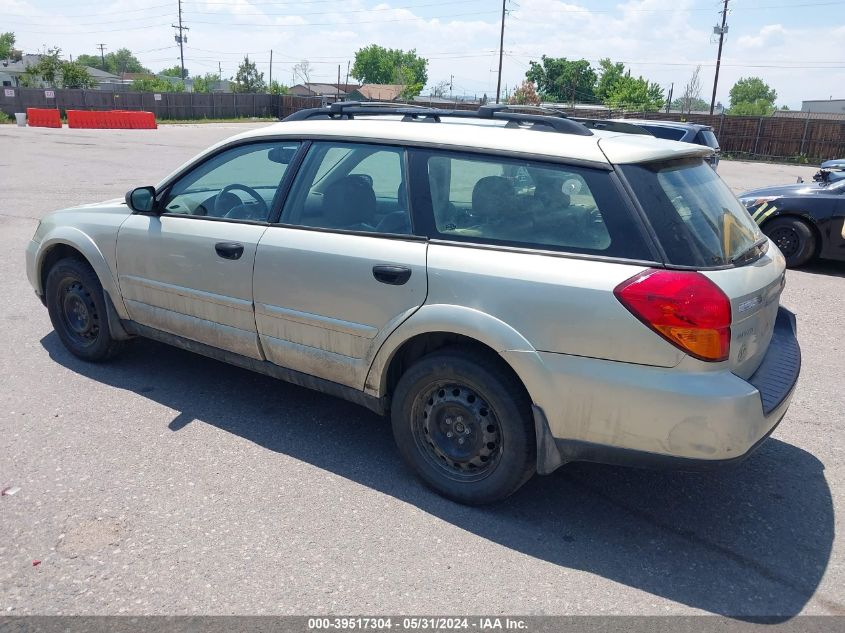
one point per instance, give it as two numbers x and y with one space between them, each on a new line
141 199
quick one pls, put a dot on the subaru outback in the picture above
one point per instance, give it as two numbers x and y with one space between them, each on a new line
514 290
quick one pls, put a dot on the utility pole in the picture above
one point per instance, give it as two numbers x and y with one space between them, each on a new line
346 85
181 39
271 69
337 94
102 47
220 70
722 31
669 100
451 79
501 51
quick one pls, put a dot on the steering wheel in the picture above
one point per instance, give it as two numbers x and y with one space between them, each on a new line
219 211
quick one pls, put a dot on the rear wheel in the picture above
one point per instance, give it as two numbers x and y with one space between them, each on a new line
77 310
462 422
794 238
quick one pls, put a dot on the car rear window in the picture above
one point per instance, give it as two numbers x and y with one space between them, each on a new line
668 133
497 200
697 219
706 137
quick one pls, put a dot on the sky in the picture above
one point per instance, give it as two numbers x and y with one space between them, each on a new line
797 47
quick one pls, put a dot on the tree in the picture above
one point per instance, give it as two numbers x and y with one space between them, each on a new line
617 88
692 93
206 83
175 71
609 75
440 89
303 71
7 47
156 84
410 87
119 62
752 96
47 70
248 79
375 64
75 75
560 79
525 95
275 88
697 104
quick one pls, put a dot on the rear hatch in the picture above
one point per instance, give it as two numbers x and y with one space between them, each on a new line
700 225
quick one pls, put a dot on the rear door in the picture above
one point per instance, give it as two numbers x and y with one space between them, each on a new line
342 269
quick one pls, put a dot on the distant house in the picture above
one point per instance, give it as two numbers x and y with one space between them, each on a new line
11 73
377 92
327 91
828 106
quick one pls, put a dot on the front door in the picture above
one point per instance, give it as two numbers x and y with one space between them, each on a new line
188 269
343 268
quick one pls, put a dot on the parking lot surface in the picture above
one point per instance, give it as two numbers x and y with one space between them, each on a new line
167 483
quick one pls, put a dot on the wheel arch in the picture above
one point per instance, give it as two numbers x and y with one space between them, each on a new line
71 242
435 326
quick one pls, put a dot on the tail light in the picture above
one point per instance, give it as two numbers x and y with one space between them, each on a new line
685 308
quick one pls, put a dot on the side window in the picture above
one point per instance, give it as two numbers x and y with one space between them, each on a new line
351 187
240 183
513 202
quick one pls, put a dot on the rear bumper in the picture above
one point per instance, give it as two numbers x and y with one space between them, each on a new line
652 417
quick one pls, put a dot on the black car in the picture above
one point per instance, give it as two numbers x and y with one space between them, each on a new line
695 133
805 220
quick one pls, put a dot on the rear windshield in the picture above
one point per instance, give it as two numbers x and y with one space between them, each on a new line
706 137
668 133
697 219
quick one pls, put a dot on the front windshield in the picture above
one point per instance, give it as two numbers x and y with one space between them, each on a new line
697 219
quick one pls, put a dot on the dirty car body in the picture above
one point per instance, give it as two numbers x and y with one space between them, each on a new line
516 293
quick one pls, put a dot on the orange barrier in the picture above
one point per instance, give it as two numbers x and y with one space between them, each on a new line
43 117
111 119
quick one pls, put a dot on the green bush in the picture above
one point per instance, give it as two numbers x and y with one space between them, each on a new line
5 118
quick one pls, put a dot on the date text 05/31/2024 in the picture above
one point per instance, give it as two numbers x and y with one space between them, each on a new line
479 623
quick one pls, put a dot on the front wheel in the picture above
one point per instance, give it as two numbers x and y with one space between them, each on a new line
462 422
77 310
794 238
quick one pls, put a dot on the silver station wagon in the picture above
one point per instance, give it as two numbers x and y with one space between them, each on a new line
514 290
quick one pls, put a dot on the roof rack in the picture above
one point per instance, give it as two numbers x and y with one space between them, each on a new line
549 120
612 126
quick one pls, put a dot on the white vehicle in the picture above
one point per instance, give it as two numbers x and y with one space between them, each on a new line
514 290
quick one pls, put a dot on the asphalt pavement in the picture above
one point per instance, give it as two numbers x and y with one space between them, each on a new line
167 483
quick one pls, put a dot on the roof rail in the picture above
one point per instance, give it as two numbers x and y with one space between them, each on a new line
501 112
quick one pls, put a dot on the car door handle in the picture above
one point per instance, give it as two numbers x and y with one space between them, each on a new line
229 250
391 275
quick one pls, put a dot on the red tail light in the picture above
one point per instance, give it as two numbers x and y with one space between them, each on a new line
685 308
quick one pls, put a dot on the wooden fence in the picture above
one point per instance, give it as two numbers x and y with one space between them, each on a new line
165 105
800 138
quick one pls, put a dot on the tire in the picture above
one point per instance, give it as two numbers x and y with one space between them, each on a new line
795 239
450 396
77 308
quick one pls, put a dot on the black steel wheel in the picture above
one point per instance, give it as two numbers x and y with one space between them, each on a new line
462 422
794 238
457 431
77 310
